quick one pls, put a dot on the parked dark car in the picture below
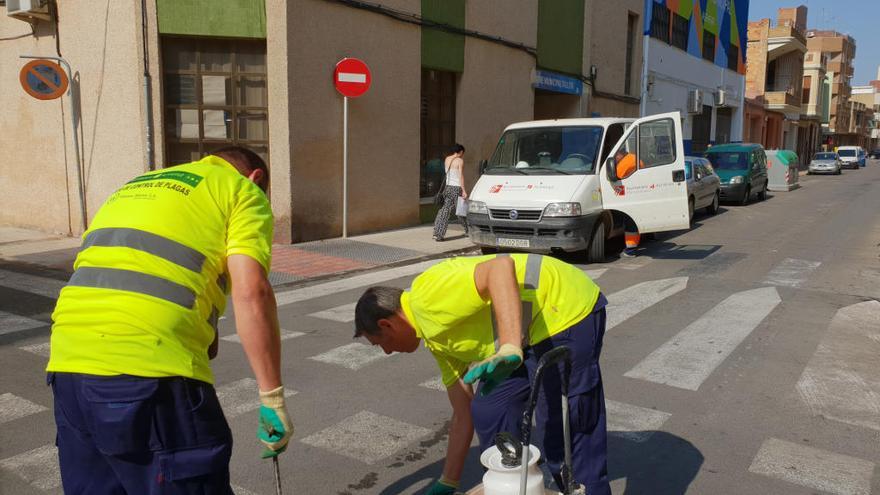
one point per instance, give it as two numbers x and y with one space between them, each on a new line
742 168
875 153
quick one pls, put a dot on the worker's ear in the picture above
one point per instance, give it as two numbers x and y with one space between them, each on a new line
257 177
385 325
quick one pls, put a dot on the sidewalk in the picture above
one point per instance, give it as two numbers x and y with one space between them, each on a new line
290 263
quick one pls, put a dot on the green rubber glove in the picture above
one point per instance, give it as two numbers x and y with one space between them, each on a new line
442 486
494 370
275 427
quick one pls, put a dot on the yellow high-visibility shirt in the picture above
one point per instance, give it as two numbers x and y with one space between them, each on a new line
150 281
457 325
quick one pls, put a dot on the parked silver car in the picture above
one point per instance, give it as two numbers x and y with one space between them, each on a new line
704 186
826 162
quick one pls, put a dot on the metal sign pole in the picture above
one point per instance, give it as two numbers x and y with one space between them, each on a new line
344 167
74 118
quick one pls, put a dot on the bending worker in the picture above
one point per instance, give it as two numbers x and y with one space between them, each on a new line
538 303
135 408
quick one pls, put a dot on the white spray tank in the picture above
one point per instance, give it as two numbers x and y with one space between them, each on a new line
504 461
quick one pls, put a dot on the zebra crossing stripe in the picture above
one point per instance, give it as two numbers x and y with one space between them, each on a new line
13 407
285 334
41 349
41 286
435 383
813 468
342 314
241 397
39 467
367 437
10 323
594 274
353 356
336 286
840 381
791 272
237 490
634 423
686 360
629 302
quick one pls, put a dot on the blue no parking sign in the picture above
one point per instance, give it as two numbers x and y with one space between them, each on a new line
43 79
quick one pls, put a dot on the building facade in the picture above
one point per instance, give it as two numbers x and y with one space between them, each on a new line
869 95
167 84
695 64
840 50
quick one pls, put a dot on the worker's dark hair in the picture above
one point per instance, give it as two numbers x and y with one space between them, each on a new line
376 303
245 161
456 148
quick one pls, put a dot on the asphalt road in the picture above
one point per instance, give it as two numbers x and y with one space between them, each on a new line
741 357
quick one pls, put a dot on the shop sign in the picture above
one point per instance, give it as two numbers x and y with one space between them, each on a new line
557 83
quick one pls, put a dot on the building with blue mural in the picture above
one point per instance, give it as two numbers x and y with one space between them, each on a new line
695 54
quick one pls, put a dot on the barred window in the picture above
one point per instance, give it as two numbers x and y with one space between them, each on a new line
660 22
708 46
732 57
680 31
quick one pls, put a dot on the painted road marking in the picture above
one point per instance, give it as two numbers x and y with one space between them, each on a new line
42 286
628 302
435 383
791 272
634 263
237 490
367 437
813 468
242 397
634 423
10 323
353 356
13 407
686 360
336 286
840 382
594 274
285 334
39 467
41 349
342 314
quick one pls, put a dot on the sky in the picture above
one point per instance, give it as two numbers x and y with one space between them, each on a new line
858 18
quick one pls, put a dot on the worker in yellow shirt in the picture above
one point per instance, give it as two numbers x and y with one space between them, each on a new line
501 314
135 408
626 166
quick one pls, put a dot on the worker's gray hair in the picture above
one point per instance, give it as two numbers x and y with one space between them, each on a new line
375 304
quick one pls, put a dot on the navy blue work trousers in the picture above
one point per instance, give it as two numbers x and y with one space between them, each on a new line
132 435
502 410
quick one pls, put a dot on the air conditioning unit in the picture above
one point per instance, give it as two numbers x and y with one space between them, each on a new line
722 98
28 10
695 101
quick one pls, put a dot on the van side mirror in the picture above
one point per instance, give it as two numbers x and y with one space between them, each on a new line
482 166
611 169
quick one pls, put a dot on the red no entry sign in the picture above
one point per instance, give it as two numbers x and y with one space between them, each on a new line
351 77
43 79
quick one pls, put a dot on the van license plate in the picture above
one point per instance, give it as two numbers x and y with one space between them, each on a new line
516 243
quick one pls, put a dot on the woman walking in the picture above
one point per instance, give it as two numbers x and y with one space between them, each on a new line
453 189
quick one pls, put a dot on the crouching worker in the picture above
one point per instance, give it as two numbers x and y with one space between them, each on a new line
501 314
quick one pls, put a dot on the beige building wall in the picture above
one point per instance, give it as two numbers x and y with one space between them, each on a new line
495 88
383 124
605 33
38 178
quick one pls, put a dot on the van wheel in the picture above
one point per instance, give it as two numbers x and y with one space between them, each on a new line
763 194
746 196
488 250
596 251
713 208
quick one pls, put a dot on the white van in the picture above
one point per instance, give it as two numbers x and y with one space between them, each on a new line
552 185
852 156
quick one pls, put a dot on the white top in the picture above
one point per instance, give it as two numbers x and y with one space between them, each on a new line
453 177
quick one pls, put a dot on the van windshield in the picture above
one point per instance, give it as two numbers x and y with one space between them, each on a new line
547 151
849 152
731 160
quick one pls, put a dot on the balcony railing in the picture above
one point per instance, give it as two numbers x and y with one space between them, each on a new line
784 31
781 98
